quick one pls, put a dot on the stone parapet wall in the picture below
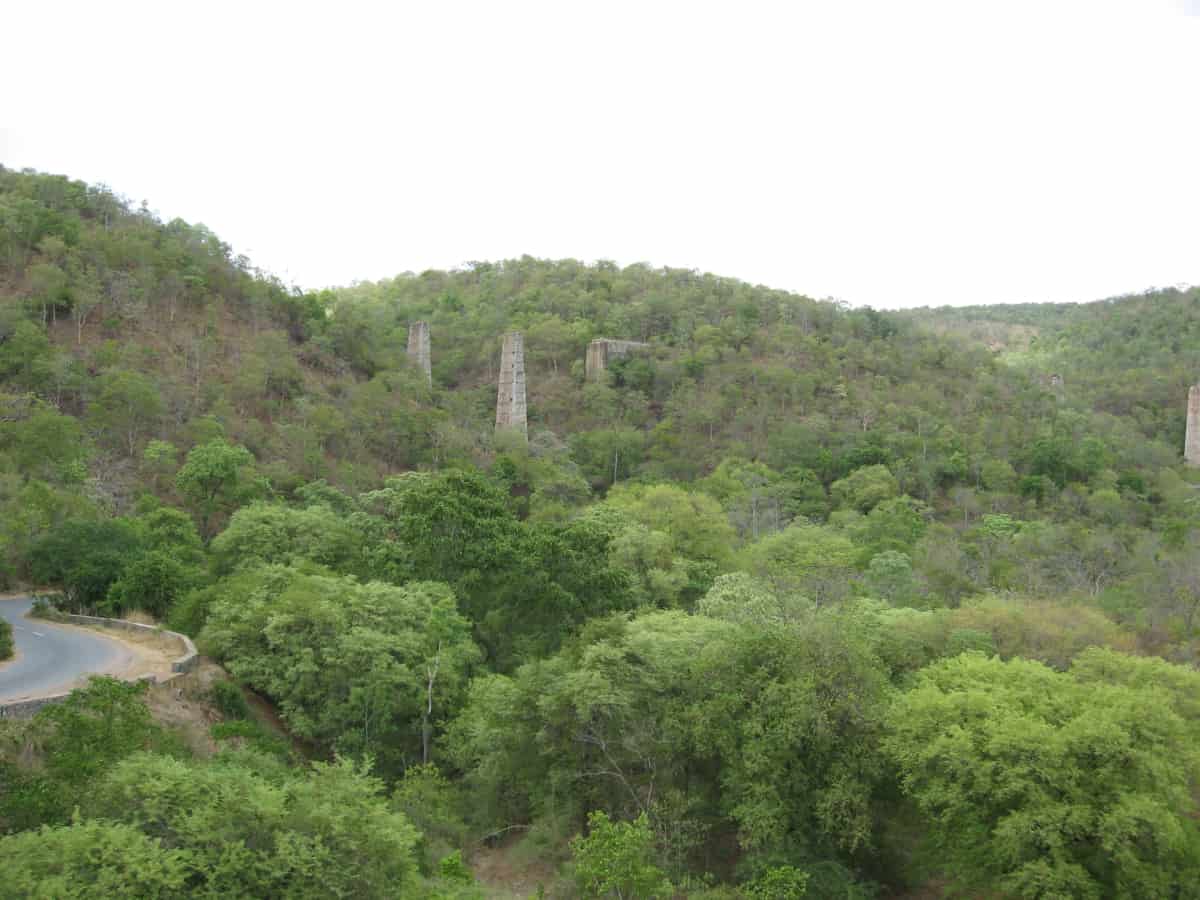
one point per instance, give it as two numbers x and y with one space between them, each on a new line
187 662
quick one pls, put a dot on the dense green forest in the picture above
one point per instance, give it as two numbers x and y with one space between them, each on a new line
801 601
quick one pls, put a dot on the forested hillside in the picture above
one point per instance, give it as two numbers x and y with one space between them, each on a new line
800 601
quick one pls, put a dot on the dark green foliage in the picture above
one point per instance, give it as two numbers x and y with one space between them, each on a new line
78 741
227 698
6 640
85 559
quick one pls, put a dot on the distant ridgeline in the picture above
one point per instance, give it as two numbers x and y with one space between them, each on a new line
148 333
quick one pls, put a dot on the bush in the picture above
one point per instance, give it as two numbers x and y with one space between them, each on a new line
254 737
48 606
6 641
617 858
227 698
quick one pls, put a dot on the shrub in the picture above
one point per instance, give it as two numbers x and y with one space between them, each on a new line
6 641
227 697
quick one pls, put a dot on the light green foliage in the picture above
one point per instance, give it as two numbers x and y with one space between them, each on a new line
39 441
865 488
1042 784
365 668
756 498
272 533
615 859
1040 630
694 522
77 741
814 560
741 598
326 833
779 883
90 861
437 807
794 717
533 740
160 459
890 577
670 703
213 481
126 406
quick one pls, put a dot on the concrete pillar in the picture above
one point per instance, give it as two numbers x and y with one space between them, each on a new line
1191 442
596 361
601 350
510 396
418 349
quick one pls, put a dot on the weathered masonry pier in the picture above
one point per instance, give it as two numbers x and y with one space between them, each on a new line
418 349
601 350
510 396
1191 442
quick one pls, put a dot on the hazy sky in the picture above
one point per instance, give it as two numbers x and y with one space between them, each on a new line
891 153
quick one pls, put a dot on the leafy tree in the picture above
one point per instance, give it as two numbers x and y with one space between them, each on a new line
1044 785
151 583
615 860
127 404
93 859
85 558
271 533
213 481
324 833
864 488
814 560
365 668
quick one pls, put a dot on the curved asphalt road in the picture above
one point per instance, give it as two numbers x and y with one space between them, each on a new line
50 659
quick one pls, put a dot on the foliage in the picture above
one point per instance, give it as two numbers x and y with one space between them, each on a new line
1043 784
90 860
366 668
326 833
615 860
850 500
212 482
227 697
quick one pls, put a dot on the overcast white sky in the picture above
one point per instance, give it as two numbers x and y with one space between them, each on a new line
887 153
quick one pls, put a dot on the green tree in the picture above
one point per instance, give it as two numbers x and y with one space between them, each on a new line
151 583
364 668
864 488
1040 784
127 404
213 481
272 533
615 859
92 860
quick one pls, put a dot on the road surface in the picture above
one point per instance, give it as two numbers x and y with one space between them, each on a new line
52 658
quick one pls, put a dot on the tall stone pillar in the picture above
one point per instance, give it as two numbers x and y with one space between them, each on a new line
596 361
601 350
418 349
510 397
1191 443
